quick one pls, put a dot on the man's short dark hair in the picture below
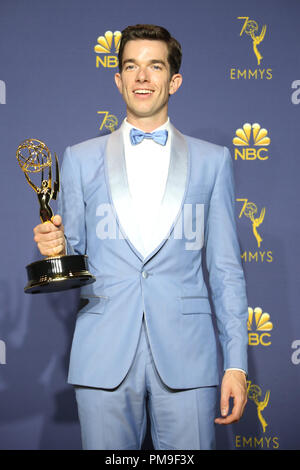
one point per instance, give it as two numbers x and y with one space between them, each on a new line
152 32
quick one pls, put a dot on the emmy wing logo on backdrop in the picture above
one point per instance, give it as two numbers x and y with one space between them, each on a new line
261 401
106 45
256 396
250 27
250 211
255 37
2 92
259 326
108 121
242 141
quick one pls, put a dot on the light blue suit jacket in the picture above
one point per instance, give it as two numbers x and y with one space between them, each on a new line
167 286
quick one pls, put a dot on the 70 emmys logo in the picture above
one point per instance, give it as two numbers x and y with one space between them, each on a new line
2 92
256 218
250 29
261 401
249 209
105 46
109 121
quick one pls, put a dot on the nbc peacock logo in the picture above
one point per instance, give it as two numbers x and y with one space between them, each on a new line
108 47
259 327
243 139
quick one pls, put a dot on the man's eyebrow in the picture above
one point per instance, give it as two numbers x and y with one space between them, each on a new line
152 61
157 61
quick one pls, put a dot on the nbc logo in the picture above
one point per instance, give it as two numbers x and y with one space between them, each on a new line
259 326
2 92
242 141
107 44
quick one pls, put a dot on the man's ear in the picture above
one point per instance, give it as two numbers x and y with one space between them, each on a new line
175 83
118 81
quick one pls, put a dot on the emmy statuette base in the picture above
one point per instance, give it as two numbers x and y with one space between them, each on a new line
57 274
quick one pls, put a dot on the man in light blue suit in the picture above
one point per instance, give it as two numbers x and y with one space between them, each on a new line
145 203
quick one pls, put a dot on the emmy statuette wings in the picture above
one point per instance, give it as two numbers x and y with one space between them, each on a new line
54 273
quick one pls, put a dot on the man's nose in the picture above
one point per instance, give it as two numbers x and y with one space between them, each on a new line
142 75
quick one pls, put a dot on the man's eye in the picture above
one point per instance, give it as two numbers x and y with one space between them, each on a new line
157 66
129 67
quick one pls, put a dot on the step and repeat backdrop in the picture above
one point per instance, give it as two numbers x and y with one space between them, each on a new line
241 89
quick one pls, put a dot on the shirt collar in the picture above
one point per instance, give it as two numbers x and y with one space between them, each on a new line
126 126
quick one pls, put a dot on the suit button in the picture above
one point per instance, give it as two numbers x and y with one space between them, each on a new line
145 274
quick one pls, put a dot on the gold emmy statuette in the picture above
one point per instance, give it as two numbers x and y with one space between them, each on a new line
54 273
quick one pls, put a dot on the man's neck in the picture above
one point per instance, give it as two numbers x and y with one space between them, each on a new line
146 124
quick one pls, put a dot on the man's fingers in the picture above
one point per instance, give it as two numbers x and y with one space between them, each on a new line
233 386
224 404
49 237
50 226
51 251
57 221
234 416
236 413
44 228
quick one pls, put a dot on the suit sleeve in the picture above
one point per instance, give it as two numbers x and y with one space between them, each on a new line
71 205
226 277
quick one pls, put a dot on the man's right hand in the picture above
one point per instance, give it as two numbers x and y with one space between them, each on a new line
49 237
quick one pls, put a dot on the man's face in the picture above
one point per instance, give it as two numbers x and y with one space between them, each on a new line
145 82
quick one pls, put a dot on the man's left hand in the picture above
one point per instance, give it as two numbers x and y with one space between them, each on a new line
233 386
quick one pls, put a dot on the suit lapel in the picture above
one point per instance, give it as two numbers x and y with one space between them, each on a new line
118 189
120 198
176 187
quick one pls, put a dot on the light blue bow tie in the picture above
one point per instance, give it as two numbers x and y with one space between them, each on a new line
136 136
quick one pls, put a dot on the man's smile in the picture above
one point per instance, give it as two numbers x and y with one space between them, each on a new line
143 91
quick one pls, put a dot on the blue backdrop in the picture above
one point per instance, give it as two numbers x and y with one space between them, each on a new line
241 89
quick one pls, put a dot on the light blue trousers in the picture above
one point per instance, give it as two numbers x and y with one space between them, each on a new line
116 419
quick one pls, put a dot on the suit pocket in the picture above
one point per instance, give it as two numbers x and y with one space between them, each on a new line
190 305
92 304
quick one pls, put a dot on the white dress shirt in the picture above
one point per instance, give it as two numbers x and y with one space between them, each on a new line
147 165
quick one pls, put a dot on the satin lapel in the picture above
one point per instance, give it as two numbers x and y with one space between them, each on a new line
175 191
118 189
